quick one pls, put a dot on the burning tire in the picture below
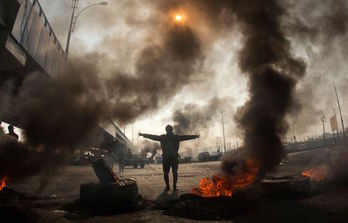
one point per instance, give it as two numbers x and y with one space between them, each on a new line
109 197
285 187
208 208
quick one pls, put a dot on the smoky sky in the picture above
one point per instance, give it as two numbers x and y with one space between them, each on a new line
317 20
161 70
193 118
316 29
320 27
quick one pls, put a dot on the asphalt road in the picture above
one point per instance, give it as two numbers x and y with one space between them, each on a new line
66 183
329 203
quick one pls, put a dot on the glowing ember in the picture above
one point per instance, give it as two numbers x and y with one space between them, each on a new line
221 185
316 174
3 182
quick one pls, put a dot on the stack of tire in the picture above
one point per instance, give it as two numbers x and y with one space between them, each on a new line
285 187
111 194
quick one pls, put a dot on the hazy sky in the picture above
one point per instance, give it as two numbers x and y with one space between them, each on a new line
124 27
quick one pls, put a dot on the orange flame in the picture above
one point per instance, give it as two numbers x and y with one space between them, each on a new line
3 182
226 185
316 174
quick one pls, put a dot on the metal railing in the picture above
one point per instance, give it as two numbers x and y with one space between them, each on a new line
315 142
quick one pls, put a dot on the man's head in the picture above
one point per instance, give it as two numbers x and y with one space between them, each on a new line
169 129
10 128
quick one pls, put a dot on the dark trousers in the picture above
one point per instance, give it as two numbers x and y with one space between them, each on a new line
167 163
120 165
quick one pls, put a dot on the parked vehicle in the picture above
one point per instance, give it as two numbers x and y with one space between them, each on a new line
135 160
206 156
186 159
203 157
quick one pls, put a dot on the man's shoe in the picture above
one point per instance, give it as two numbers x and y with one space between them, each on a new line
175 188
167 188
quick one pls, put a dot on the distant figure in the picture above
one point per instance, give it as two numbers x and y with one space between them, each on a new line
170 147
11 132
120 160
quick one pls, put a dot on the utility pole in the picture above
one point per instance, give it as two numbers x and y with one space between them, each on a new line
339 108
223 129
293 131
138 141
218 144
333 131
323 119
132 134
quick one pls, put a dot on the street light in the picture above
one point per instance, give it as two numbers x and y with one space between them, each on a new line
293 131
223 129
74 18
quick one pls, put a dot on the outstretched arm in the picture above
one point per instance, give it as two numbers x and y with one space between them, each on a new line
149 136
187 137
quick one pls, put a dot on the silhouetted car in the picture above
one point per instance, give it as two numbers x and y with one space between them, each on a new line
203 157
186 159
134 160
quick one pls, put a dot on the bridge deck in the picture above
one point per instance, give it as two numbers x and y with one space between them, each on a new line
28 43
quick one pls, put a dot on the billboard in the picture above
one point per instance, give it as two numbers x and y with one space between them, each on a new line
333 122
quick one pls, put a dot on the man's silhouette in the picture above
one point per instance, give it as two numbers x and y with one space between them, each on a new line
120 156
11 132
170 147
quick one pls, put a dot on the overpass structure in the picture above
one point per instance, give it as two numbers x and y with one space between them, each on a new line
27 44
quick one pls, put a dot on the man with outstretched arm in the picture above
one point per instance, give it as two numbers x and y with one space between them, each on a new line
170 148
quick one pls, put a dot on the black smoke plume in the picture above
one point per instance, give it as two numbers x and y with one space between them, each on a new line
16 159
149 147
55 120
192 118
161 70
54 117
272 71
273 74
